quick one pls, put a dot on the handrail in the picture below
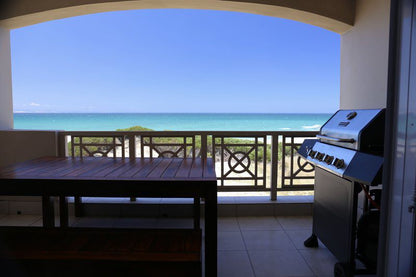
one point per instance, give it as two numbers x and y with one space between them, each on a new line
173 133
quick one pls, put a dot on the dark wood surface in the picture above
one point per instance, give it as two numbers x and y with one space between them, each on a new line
160 177
113 169
151 252
117 177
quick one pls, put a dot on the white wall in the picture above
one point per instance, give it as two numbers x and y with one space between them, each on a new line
364 57
6 98
18 146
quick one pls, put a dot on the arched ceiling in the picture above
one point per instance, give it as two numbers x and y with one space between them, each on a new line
337 16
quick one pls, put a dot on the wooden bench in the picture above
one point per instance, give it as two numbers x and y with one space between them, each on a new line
33 251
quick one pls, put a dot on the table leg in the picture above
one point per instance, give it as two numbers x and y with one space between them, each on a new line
211 233
63 212
48 214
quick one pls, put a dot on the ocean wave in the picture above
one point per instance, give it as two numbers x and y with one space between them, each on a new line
285 128
316 126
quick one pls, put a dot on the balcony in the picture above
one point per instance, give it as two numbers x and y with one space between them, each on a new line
265 196
259 173
253 168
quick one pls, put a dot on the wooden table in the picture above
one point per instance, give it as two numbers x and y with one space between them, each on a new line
116 177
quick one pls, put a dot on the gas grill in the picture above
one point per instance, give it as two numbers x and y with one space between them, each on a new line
348 159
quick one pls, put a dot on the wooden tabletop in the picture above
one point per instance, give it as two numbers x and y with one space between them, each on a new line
111 169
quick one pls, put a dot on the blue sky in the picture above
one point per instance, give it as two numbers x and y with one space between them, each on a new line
175 61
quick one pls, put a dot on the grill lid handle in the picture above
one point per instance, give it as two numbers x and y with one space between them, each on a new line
350 140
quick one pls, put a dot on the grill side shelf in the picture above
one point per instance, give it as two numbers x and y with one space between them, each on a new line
365 168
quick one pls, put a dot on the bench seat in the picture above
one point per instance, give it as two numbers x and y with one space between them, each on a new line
34 251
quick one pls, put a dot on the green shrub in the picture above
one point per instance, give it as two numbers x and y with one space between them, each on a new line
135 128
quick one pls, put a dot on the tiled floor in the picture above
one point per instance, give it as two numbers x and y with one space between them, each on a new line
247 246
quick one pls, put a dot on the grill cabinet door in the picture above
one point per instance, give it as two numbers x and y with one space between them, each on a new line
334 214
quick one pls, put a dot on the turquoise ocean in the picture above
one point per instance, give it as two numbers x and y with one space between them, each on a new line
170 121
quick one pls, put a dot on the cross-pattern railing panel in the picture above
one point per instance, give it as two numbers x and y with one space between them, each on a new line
296 173
97 146
167 146
241 162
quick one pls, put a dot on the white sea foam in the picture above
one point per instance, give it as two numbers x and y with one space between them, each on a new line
285 128
316 126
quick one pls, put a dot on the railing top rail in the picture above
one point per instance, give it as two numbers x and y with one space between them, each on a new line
187 133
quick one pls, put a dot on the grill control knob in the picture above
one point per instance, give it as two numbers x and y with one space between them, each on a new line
311 153
329 159
320 156
339 163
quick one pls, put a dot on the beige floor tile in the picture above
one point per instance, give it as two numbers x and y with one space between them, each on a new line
228 224
259 223
230 241
267 240
19 220
295 222
279 263
320 260
234 264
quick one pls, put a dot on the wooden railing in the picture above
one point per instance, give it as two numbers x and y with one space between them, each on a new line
245 161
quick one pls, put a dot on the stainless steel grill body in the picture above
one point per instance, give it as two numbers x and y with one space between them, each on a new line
347 154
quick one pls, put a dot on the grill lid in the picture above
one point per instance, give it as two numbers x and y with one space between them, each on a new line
361 130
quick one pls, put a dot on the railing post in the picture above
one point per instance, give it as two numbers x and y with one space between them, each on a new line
62 145
132 152
132 146
274 169
204 145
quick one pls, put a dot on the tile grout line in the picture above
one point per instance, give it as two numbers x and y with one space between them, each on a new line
39 219
297 250
245 246
34 220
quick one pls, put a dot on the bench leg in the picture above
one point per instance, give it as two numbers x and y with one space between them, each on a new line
63 211
197 213
79 209
211 233
48 214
